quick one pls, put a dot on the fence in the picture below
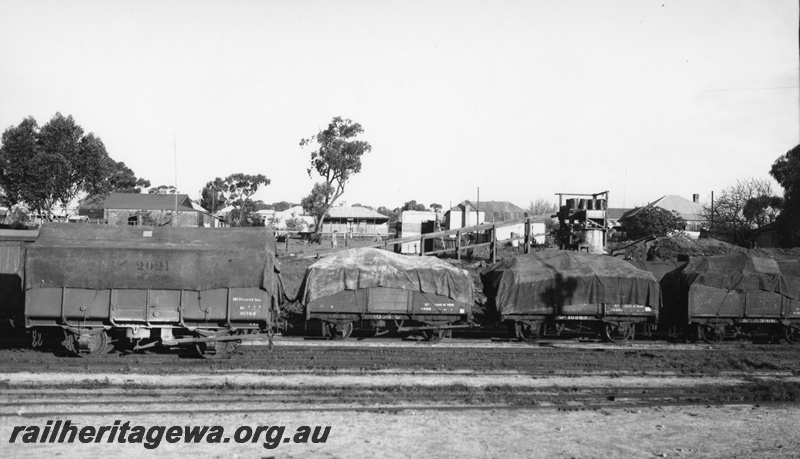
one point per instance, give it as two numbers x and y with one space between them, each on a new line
471 233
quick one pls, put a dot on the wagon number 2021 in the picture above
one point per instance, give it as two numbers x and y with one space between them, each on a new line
152 266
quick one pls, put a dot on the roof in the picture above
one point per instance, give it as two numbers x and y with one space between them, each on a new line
490 207
688 210
616 213
501 210
138 201
355 213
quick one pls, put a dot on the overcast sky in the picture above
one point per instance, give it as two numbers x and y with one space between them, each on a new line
521 98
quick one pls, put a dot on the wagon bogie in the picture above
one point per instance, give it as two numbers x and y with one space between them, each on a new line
619 331
529 331
340 329
610 328
215 348
87 342
431 328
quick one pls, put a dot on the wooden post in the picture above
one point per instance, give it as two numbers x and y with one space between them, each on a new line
527 247
494 243
287 243
458 245
422 245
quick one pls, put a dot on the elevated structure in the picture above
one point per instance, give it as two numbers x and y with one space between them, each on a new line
583 221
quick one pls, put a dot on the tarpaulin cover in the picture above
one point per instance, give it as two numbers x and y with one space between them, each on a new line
741 271
139 257
542 280
365 268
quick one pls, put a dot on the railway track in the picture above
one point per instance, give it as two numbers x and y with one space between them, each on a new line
51 401
334 377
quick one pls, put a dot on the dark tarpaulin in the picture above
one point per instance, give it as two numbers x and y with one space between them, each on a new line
365 268
548 279
741 271
140 257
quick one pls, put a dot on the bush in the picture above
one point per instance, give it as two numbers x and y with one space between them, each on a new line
653 221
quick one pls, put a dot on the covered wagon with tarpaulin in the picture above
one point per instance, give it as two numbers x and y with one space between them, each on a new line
372 288
564 291
136 286
733 295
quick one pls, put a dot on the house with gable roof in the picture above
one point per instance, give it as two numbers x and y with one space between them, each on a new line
355 220
150 210
689 210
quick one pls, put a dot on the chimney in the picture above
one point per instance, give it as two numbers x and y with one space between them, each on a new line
465 216
696 198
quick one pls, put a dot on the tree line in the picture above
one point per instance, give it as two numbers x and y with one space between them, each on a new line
48 168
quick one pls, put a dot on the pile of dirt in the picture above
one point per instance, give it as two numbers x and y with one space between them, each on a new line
674 248
670 248
679 247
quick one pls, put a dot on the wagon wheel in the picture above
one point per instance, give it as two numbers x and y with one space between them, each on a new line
709 335
332 331
215 349
512 329
789 335
433 335
613 333
92 344
529 333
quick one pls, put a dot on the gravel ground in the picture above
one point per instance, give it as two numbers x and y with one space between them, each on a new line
570 400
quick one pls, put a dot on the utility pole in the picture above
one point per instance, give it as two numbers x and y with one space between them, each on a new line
175 150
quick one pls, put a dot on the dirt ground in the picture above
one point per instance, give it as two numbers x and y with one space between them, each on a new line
517 409
725 431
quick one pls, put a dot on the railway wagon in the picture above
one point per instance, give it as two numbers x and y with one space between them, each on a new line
12 297
137 287
377 289
733 295
564 291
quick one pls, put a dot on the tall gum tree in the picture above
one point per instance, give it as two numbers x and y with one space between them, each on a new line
49 167
336 159
234 190
786 171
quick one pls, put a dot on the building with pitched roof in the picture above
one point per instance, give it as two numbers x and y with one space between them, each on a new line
689 210
355 220
152 210
470 214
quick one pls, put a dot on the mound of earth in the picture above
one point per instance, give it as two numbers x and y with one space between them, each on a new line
675 247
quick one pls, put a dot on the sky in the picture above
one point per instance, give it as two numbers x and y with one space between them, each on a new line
503 100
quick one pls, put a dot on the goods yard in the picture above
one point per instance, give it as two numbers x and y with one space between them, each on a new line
355 347
96 288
